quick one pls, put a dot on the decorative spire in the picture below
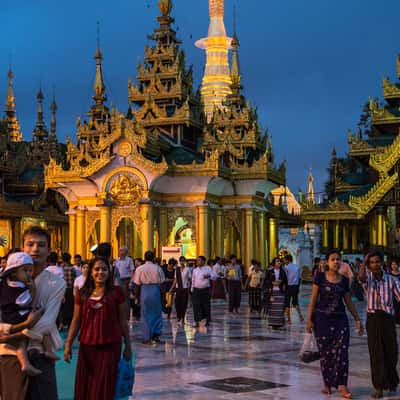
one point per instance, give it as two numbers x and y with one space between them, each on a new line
53 120
40 132
11 114
99 87
311 192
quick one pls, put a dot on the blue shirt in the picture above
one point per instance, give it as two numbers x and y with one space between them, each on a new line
293 274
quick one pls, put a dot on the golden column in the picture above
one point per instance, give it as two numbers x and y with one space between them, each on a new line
71 231
336 233
354 243
345 236
249 237
80 246
219 233
262 255
325 235
380 228
273 238
385 232
203 248
146 211
17 233
105 224
163 228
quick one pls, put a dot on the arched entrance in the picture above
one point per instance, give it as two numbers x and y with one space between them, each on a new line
182 235
126 234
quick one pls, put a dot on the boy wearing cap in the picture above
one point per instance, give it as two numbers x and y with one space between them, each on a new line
17 291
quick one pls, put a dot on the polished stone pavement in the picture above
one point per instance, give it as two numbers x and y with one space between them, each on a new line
237 357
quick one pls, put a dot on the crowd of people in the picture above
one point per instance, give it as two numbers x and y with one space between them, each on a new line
42 294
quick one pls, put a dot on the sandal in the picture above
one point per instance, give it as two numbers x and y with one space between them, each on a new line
326 390
347 395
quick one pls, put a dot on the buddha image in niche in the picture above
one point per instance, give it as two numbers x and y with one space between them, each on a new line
125 190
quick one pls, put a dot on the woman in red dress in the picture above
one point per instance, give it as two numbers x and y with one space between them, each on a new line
100 317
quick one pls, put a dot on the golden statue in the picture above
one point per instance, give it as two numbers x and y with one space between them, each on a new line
165 7
125 190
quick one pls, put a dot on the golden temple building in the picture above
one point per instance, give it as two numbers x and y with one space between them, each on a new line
361 212
160 175
24 200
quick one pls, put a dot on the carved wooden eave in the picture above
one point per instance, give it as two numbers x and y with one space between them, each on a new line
152 54
210 167
390 90
364 204
385 158
150 111
335 210
382 115
360 148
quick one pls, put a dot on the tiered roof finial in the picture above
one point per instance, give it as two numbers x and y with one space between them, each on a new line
40 132
311 192
165 7
53 120
11 117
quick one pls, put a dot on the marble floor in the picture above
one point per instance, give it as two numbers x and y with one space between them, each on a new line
237 357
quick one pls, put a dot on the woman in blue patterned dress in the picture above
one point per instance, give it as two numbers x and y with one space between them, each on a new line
327 317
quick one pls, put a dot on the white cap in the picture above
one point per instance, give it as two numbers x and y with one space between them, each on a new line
16 260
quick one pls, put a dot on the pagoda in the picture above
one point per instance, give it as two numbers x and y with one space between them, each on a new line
361 210
160 175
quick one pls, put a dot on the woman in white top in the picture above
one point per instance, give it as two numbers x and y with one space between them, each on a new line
181 287
254 283
81 279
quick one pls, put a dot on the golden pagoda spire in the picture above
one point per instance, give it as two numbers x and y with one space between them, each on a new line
40 132
165 7
99 87
217 79
311 192
11 114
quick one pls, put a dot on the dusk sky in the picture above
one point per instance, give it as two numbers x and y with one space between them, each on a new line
307 65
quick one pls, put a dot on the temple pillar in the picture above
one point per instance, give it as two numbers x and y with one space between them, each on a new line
354 242
345 236
380 227
163 228
325 235
147 229
16 234
385 232
248 238
219 233
105 224
136 243
71 232
336 237
203 248
80 232
262 256
273 238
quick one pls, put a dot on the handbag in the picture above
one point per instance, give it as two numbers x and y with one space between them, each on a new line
125 378
309 352
168 299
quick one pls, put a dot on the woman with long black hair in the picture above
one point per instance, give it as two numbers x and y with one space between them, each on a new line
100 317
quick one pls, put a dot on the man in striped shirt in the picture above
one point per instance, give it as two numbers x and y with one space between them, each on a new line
381 290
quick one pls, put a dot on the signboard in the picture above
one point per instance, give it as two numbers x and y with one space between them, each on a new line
171 252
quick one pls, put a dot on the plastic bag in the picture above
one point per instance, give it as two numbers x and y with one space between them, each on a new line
126 378
309 352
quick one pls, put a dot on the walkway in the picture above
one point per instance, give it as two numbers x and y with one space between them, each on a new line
239 357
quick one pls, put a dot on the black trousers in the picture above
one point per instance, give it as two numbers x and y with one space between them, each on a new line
235 295
67 308
201 304
181 302
383 353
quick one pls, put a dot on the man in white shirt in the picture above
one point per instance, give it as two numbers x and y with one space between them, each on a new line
78 264
50 290
292 295
149 277
218 286
126 268
201 291
181 286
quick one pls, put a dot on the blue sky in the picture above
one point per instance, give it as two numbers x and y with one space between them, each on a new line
307 65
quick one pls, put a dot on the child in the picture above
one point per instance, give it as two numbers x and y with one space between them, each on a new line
17 292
